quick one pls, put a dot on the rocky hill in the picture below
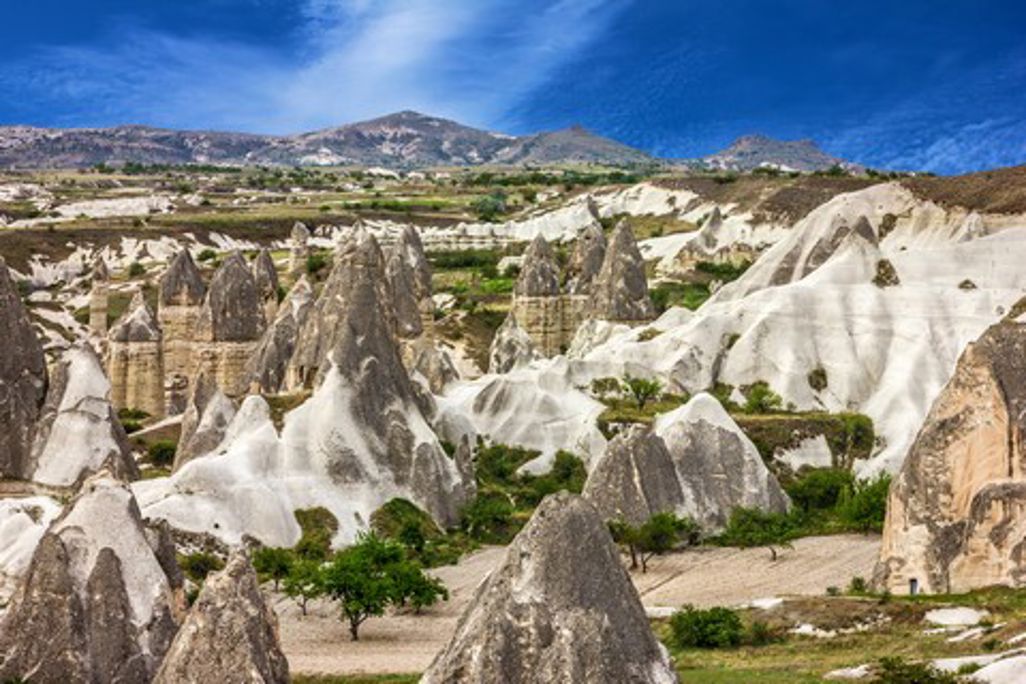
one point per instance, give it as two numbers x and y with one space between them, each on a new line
402 140
753 151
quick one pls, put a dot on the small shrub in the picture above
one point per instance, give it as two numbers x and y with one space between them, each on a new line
319 525
762 399
858 586
207 255
820 489
199 564
818 379
759 634
717 627
833 591
649 334
642 389
898 671
886 274
605 387
162 454
135 269
865 508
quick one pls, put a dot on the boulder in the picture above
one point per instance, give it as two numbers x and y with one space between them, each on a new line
22 379
511 347
559 608
620 289
78 433
230 634
956 514
98 603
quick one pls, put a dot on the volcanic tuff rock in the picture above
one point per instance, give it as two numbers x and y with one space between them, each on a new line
135 359
403 293
635 478
358 264
539 272
559 608
621 289
102 597
586 260
434 364
78 432
230 634
205 421
298 249
268 365
511 347
232 310
718 466
22 379
99 298
182 283
266 278
410 245
956 514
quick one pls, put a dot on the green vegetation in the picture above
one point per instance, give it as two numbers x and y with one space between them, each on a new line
198 565
273 563
316 262
661 533
642 390
896 670
725 272
135 269
132 419
491 207
303 582
712 628
402 521
761 399
206 255
751 527
689 295
818 379
161 454
318 526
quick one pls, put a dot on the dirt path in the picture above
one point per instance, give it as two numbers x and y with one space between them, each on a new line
319 643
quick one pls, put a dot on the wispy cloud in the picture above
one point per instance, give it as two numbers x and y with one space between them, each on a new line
468 59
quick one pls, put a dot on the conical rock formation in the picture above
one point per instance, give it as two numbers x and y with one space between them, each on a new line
182 283
511 347
22 379
266 278
230 634
559 608
586 260
78 433
232 309
539 273
621 288
956 515
205 420
101 599
268 366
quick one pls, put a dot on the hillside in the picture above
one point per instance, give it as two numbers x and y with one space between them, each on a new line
402 140
753 151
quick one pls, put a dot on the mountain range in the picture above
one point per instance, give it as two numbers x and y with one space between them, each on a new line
401 140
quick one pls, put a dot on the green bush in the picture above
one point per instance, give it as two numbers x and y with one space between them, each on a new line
761 399
162 453
303 582
207 255
723 271
316 263
820 489
751 527
641 389
319 525
865 508
198 565
817 379
716 627
273 563
661 533
898 671
135 269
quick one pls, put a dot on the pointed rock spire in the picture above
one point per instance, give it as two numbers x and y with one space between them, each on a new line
268 366
265 275
586 260
97 603
403 289
539 272
621 289
511 347
182 284
559 608
22 379
232 309
137 324
230 634
205 421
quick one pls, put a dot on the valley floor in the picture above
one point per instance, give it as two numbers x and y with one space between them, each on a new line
319 643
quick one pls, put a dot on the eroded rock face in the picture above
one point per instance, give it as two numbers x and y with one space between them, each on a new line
230 634
956 515
182 284
411 247
635 478
560 608
268 366
298 249
78 433
434 364
403 293
358 264
99 298
180 296
511 347
97 604
539 273
266 278
621 289
718 466
205 420
22 379
232 310
135 359
586 260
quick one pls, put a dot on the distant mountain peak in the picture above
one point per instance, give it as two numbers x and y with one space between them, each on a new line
757 150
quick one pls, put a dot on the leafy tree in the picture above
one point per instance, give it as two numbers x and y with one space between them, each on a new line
304 582
490 207
820 489
488 517
416 588
642 389
716 627
751 527
315 263
659 534
866 506
761 399
273 562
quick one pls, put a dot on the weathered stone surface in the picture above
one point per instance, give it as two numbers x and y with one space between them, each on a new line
99 298
956 515
410 245
433 363
182 284
560 608
718 466
298 249
180 297
585 260
22 379
78 432
230 635
232 310
266 277
96 604
511 347
358 263
402 290
135 360
205 420
268 366
621 289
539 273
635 478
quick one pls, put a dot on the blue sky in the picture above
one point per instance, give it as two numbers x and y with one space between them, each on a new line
925 84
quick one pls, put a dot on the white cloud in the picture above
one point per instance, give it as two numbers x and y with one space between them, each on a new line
467 59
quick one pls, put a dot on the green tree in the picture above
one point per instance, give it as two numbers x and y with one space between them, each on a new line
642 389
820 489
304 582
273 562
199 564
865 508
751 527
135 269
659 534
762 399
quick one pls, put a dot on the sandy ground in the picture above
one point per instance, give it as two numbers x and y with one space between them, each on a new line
319 643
